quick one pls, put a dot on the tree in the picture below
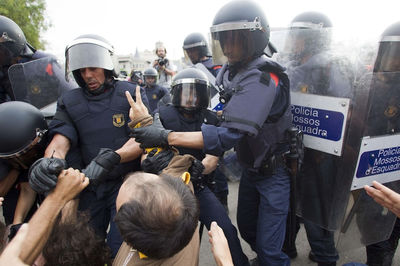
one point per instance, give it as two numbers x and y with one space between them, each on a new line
29 15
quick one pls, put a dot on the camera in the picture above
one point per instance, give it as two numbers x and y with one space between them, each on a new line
162 61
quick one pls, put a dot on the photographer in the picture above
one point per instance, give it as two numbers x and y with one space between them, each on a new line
163 66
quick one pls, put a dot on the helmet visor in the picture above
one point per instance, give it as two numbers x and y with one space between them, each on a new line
5 55
388 59
233 46
303 42
87 55
191 95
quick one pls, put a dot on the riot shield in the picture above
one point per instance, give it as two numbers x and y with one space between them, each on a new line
330 104
378 158
215 104
39 82
322 96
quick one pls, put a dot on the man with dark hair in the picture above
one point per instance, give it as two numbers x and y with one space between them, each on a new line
157 217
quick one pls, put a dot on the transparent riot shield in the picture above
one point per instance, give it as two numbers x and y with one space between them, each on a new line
378 158
215 104
322 85
39 82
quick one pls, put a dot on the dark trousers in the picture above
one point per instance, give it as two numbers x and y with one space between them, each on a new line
261 214
322 242
212 210
102 211
382 253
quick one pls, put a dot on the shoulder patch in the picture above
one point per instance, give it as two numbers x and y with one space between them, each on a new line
265 78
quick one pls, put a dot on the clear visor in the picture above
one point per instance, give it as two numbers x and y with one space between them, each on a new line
299 42
191 95
232 46
87 55
192 55
388 59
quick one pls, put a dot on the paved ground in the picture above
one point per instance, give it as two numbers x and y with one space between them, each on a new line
206 259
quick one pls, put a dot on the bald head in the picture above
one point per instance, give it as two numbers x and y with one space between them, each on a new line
156 215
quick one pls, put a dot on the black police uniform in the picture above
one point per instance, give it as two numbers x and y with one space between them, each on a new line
210 208
155 94
92 122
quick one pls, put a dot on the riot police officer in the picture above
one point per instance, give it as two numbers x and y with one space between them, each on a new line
13 49
384 119
94 118
309 66
190 99
196 50
255 117
154 92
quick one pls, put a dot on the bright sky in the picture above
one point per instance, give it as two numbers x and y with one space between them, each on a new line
128 24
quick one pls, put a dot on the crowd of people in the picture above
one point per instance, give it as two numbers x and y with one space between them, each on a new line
130 172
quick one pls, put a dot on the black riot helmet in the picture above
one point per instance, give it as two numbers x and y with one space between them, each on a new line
22 128
12 42
195 47
190 90
150 72
89 50
309 34
243 25
388 58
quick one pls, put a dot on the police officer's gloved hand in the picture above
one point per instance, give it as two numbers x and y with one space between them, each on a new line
196 175
44 172
156 162
99 168
154 135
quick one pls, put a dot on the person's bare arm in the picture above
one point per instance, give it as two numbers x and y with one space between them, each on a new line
8 181
70 183
58 147
385 197
210 163
25 201
193 140
129 151
219 246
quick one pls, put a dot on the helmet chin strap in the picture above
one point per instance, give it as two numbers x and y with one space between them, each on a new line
106 85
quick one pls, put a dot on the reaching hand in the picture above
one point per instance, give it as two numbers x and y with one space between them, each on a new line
219 246
385 197
70 183
43 174
102 165
151 136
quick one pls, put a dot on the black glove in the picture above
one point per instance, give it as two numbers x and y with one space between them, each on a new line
44 172
101 166
196 175
151 136
155 163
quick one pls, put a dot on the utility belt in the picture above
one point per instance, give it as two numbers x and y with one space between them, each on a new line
270 165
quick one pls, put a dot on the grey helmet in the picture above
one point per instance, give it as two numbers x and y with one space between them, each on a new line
242 23
310 33
12 41
190 90
196 41
89 50
388 58
22 127
150 72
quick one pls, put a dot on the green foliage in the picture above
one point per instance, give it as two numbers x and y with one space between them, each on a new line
29 15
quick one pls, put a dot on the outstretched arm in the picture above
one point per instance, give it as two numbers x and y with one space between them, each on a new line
70 183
